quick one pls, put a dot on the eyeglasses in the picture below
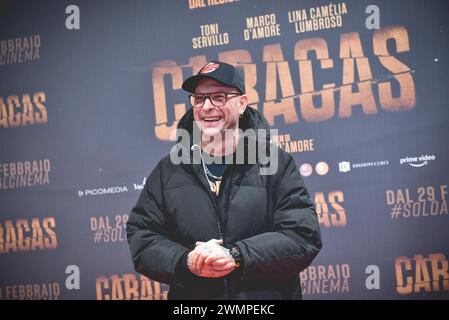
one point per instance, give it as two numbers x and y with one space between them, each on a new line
217 99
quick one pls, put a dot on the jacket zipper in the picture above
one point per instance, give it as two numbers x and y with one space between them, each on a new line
220 193
216 200
216 205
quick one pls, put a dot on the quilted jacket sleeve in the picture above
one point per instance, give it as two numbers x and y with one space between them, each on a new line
153 253
296 238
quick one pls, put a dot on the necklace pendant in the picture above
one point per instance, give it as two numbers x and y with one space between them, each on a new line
215 187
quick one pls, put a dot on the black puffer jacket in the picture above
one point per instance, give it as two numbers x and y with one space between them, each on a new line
271 218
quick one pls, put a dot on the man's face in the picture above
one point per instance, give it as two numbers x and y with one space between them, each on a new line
215 120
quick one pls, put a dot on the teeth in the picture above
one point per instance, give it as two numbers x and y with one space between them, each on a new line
212 119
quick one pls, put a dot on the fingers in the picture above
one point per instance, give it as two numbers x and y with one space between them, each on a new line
218 259
201 255
227 266
207 272
221 261
195 259
220 241
210 259
217 241
191 263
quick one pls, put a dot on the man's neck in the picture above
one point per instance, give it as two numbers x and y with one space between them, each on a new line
222 144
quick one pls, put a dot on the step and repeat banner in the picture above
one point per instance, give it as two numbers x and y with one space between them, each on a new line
90 93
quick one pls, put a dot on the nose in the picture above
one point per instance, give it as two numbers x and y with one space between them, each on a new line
208 105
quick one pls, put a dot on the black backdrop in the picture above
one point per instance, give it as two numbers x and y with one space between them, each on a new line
85 114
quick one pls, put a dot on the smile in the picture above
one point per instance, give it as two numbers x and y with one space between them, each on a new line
211 119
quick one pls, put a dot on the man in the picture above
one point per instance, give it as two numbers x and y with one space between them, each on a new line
223 230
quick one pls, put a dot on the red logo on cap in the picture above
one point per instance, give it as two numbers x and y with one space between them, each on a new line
209 67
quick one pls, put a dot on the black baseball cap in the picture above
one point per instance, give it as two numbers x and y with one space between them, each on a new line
220 71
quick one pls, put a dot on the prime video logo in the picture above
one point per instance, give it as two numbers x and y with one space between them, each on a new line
417 161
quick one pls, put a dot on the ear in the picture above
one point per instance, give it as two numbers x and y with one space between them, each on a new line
243 103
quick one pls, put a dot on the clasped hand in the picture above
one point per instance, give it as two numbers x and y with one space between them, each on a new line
210 259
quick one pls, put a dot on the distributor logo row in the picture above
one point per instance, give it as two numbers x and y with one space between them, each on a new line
346 166
413 161
104 191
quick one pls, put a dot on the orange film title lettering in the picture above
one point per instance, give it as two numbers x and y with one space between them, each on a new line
422 274
24 235
26 110
358 88
129 287
327 217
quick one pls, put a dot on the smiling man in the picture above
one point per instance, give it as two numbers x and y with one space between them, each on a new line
220 229
218 101
208 100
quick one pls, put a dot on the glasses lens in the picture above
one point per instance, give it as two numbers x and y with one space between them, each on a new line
218 99
197 100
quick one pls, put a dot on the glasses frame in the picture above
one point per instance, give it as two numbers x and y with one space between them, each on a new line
207 96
